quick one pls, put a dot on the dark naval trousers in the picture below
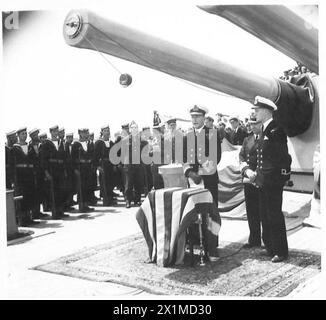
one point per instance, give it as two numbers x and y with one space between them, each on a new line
253 216
273 223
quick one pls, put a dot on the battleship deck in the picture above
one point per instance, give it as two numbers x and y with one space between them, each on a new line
55 238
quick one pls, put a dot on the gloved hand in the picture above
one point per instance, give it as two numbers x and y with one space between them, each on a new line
251 175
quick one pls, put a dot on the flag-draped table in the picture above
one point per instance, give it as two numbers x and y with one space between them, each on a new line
165 215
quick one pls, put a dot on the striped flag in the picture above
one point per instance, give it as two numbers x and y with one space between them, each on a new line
165 215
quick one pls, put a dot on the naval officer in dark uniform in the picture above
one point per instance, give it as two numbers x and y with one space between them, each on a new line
247 157
273 164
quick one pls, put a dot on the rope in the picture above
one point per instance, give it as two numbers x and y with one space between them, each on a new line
103 56
152 65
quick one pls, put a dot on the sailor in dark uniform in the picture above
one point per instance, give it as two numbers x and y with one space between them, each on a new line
61 136
238 132
11 140
82 157
45 196
247 157
273 164
91 147
34 153
23 177
43 136
107 171
70 176
53 162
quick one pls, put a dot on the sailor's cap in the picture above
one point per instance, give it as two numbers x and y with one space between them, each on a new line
34 131
172 120
70 134
105 127
198 110
21 129
11 133
55 127
234 119
61 129
261 102
125 126
82 130
133 123
209 118
43 134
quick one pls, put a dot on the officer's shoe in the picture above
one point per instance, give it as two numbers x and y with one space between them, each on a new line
39 215
277 258
128 205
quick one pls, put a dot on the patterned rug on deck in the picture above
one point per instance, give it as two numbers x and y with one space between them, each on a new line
238 272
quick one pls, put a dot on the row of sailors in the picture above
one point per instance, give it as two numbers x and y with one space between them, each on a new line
51 171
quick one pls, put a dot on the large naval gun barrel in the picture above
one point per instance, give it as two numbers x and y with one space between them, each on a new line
85 29
297 102
277 25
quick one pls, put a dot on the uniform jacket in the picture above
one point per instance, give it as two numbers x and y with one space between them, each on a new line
22 163
238 136
53 160
82 161
24 178
248 152
80 156
102 153
195 156
34 152
273 162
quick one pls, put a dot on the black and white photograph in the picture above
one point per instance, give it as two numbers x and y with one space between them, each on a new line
161 150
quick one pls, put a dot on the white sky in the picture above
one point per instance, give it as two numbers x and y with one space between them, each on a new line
47 82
